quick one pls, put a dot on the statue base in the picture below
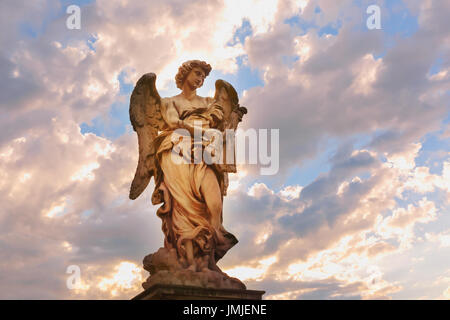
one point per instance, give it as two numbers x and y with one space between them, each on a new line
166 269
178 292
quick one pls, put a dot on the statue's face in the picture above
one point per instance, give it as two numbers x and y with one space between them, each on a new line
195 78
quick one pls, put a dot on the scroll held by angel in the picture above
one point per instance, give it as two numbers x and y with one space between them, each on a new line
186 144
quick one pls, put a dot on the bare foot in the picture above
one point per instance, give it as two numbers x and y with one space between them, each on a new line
192 267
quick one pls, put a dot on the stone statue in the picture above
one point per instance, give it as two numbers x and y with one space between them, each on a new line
191 191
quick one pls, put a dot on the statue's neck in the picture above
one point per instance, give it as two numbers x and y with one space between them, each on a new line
188 93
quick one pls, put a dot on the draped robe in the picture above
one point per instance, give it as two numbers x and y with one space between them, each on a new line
185 215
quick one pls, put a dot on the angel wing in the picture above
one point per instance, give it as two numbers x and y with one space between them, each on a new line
227 97
145 116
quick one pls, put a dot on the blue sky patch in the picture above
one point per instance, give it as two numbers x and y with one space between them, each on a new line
241 33
115 123
331 28
399 20
304 26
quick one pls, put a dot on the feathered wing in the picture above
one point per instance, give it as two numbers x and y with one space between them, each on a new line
145 116
227 97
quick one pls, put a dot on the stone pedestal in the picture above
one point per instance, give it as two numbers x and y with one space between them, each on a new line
177 292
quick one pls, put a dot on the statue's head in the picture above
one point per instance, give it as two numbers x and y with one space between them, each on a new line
196 69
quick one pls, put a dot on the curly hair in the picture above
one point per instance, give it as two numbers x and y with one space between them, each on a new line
186 67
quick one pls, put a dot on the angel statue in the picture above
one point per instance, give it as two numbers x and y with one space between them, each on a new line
191 192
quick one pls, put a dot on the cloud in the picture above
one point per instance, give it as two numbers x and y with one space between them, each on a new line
340 229
442 238
346 85
61 210
64 193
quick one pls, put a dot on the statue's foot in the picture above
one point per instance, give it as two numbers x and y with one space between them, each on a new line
192 267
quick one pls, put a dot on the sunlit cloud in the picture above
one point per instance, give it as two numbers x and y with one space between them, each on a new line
252 273
126 275
329 232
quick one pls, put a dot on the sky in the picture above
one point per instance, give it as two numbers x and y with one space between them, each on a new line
359 208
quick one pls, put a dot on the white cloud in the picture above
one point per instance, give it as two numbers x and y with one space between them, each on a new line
63 193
